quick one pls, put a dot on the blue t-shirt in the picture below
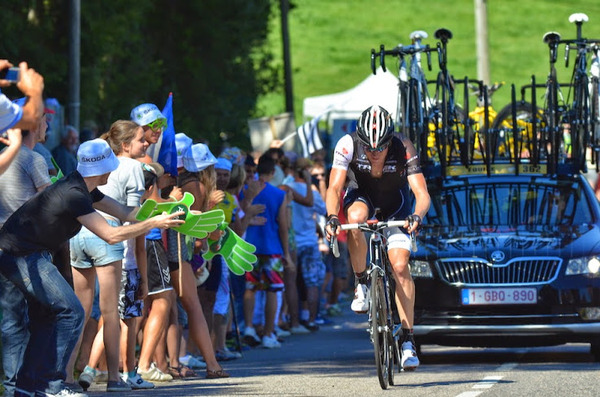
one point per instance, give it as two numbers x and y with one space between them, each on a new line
266 237
304 220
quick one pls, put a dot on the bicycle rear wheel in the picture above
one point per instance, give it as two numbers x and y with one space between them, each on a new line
503 128
378 329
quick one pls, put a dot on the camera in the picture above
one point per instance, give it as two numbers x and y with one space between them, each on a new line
10 74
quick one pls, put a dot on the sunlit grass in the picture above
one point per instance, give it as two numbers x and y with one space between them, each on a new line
331 40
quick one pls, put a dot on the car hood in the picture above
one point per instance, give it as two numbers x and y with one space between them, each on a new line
459 241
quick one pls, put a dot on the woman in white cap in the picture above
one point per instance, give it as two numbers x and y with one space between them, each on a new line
50 218
115 264
151 119
197 160
152 364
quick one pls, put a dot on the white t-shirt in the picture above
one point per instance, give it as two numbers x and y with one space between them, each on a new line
126 185
10 113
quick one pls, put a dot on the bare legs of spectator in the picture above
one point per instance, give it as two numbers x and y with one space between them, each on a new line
270 310
290 273
109 279
156 326
312 300
220 330
196 321
173 339
87 339
337 285
128 328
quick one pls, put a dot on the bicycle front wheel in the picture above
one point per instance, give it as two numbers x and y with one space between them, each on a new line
379 329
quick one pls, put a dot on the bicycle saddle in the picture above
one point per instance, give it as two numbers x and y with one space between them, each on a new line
551 37
443 34
418 35
578 17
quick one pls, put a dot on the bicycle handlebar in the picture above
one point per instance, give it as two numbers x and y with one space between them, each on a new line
401 51
373 225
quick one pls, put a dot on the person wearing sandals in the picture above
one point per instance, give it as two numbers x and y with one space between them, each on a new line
195 160
48 219
91 258
160 290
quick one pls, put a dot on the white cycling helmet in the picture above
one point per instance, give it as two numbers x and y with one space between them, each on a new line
375 127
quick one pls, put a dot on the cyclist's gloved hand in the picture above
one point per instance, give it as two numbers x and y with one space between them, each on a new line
414 222
333 222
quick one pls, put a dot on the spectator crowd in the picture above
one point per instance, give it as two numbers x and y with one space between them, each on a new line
142 304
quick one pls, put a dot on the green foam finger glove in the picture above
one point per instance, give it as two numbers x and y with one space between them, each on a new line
238 253
197 224
151 208
200 224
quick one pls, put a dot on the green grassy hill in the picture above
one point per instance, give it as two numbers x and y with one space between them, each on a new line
331 40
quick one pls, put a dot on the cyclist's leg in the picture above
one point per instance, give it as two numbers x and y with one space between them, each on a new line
357 211
398 254
405 287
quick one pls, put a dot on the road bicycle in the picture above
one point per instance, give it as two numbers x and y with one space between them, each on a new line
383 314
448 122
414 102
564 129
582 117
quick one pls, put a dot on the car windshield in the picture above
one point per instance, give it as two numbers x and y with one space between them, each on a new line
528 203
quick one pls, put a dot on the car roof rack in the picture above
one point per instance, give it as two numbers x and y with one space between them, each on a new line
523 138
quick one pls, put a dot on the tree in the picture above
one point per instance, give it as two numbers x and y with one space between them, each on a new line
213 57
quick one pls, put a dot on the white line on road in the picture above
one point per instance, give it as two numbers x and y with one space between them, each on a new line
488 381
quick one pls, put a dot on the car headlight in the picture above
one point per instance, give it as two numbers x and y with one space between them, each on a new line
420 269
585 265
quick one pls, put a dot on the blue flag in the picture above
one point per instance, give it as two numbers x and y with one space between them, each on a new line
167 153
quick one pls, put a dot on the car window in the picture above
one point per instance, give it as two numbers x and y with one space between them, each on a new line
512 204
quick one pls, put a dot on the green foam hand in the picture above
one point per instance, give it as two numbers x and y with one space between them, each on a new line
238 254
197 224
59 173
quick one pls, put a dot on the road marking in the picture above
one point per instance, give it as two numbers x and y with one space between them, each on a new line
470 394
489 381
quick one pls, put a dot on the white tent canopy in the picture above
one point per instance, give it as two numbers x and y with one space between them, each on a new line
377 89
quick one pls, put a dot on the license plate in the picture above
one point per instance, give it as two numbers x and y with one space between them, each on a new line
498 296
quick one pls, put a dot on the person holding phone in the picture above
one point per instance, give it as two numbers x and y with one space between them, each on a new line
13 116
52 314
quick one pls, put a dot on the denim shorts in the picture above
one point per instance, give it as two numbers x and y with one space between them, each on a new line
340 266
312 266
89 250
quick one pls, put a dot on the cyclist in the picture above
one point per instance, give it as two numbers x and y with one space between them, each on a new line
380 166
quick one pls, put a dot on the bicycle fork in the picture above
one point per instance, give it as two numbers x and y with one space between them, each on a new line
375 265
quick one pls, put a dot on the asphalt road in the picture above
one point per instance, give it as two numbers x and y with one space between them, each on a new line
338 361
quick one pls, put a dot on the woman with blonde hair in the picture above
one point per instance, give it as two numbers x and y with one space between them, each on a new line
92 257
198 178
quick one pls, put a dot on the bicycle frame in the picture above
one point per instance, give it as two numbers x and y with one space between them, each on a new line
381 321
582 116
413 98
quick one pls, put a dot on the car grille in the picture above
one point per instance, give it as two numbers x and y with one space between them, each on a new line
476 271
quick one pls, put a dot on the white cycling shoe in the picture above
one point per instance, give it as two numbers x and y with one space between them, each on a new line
409 361
360 304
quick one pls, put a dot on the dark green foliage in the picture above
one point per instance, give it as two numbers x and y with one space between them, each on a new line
209 53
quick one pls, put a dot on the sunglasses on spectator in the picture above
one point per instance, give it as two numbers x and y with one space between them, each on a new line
318 174
158 124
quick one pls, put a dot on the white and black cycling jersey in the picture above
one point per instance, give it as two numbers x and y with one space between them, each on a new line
389 192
